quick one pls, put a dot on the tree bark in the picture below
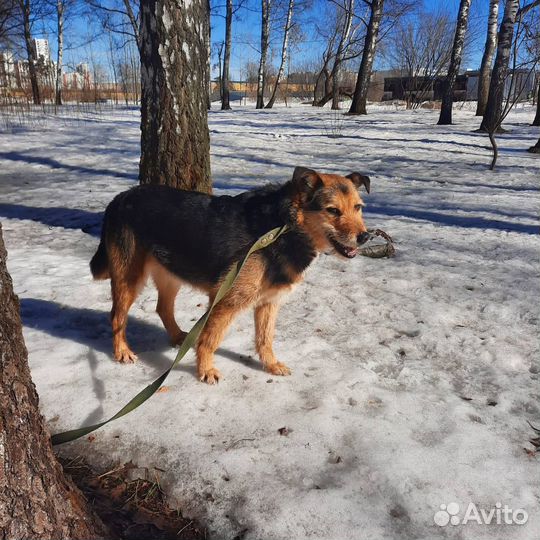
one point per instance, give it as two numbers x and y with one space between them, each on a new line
175 142
327 91
445 117
492 115
36 499
359 102
60 42
30 53
208 43
284 50
536 121
487 58
535 149
225 99
265 31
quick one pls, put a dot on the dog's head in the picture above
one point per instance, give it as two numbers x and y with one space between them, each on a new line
329 209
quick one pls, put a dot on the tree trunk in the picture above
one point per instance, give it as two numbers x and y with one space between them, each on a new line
175 142
492 116
536 121
36 499
225 103
445 117
133 21
487 58
327 92
327 56
208 43
316 87
535 149
265 30
359 102
335 90
30 53
60 53
342 45
284 50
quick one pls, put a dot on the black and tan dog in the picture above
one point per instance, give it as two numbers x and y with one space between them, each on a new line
181 237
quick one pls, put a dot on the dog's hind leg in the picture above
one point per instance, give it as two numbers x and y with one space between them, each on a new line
168 287
127 279
265 324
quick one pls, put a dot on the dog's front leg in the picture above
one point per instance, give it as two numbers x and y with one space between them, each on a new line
265 324
210 338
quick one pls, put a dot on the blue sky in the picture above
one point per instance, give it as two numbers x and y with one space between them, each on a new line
246 30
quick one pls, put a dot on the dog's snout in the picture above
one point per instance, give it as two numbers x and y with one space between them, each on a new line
362 238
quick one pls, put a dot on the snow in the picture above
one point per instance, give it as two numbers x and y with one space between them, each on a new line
382 351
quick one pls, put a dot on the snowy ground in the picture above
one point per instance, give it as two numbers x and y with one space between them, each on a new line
383 351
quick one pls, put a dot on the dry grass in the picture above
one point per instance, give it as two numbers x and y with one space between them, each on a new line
131 502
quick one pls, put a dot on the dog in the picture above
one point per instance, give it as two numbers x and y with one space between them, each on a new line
183 237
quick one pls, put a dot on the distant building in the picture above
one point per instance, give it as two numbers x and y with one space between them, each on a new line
13 73
41 50
7 70
80 79
518 86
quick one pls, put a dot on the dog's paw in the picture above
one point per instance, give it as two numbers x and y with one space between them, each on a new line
277 368
210 376
125 355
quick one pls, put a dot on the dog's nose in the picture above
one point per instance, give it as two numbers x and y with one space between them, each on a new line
362 238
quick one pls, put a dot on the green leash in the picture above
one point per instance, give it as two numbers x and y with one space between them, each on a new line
189 341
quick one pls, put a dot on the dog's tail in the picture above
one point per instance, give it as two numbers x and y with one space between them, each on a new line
99 265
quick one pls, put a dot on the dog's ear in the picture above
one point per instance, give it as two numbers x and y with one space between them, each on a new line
360 180
306 181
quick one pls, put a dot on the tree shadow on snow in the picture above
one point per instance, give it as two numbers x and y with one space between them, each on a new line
68 218
467 222
55 164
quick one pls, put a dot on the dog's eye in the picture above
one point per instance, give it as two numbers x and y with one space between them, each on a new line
358 207
333 211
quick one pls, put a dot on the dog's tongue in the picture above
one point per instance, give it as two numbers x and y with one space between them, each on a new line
350 251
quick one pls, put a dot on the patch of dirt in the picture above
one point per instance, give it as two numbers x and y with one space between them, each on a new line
130 501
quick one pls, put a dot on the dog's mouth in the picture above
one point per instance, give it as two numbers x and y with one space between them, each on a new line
342 249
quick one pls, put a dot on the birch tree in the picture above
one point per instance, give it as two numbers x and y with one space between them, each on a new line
265 34
175 142
487 57
324 72
60 11
445 116
26 11
358 105
36 499
340 53
225 103
339 34
492 116
284 51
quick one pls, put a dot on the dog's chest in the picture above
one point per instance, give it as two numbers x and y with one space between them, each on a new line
276 294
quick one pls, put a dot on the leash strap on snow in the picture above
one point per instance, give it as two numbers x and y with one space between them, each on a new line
189 341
